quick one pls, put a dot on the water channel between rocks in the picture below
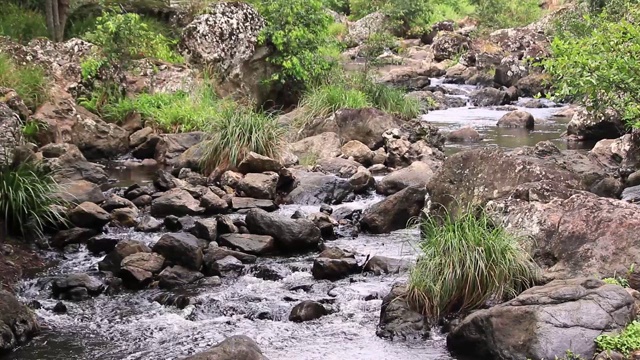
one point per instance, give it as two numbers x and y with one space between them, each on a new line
132 326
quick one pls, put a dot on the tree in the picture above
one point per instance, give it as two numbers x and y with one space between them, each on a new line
57 12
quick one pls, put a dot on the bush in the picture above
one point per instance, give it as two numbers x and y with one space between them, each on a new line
29 81
499 14
599 69
22 24
238 131
26 199
464 263
625 342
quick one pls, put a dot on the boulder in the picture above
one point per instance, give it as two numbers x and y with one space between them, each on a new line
170 146
80 191
417 174
256 163
394 212
489 97
149 224
18 324
217 253
333 269
212 203
175 276
72 236
631 194
448 44
290 235
229 264
68 164
379 265
343 168
312 148
206 229
124 217
398 320
124 248
177 202
510 70
137 270
259 185
544 322
99 244
325 223
237 347
76 287
358 151
113 201
360 31
362 181
465 134
317 188
89 215
247 243
517 119
534 85
180 249
307 310
589 127
245 203
140 137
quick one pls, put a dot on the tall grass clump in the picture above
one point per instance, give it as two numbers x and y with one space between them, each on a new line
323 100
238 131
464 263
389 99
29 81
21 23
500 14
27 197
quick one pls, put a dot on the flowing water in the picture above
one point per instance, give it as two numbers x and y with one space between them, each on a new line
132 325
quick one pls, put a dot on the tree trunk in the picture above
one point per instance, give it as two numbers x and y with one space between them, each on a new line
50 23
57 12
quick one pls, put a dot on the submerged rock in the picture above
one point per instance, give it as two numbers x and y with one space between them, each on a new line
77 287
465 134
306 311
544 322
250 244
384 265
517 119
333 269
237 347
175 276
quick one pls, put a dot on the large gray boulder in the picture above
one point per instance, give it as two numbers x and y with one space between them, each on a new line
394 212
398 320
589 127
312 148
176 202
290 235
544 322
18 323
416 174
180 249
259 185
317 188
362 29
237 347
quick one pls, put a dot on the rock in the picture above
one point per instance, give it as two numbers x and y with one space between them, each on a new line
447 44
321 146
412 77
76 287
124 248
516 119
244 203
259 186
60 308
398 320
465 134
588 127
226 225
247 243
147 149
80 191
383 265
175 202
176 276
564 314
206 229
180 249
307 310
99 245
317 188
68 164
256 163
325 223
359 151
534 85
623 151
212 203
89 215
139 137
214 254
510 70
417 174
362 181
634 179
365 125
18 324
360 31
113 201
610 355
394 212
489 97
333 269
137 269
289 235
149 224
631 194
170 146
237 347
124 217
229 264
324 208
72 236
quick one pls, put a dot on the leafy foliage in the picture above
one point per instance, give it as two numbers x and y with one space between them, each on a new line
617 281
26 198
29 81
498 14
625 342
21 23
464 263
599 70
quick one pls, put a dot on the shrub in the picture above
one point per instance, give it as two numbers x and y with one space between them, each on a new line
599 69
339 6
22 24
298 29
464 263
625 342
498 14
29 81
26 198
238 131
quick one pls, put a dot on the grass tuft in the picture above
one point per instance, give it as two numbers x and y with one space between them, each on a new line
27 197
29 81
466 262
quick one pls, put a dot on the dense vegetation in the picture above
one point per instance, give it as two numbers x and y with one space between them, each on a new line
29 81
466 262
627 341
595 59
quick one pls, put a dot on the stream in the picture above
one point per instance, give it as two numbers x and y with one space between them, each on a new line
131 325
